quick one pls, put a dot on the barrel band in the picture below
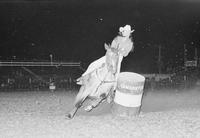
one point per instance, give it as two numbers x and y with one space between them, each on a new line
133 90
128 82
127 100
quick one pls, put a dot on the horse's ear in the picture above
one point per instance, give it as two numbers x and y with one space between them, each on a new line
106 46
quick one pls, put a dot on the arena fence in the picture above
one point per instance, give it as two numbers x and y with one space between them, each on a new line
34 75
45 75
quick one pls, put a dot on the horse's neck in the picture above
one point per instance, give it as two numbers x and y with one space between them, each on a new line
105 74
103 70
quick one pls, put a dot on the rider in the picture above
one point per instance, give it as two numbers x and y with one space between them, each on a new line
123 42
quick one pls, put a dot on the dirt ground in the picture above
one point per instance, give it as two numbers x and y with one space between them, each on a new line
41 114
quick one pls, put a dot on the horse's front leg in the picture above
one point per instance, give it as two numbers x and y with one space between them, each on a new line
95 103
71 114
80 98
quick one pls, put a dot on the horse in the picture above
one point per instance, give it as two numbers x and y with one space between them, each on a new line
99 84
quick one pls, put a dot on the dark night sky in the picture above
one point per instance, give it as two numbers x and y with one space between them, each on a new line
77 29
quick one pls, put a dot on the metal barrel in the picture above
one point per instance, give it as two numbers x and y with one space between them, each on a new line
128 95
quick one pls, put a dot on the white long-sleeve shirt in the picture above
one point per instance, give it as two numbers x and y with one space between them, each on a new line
123 44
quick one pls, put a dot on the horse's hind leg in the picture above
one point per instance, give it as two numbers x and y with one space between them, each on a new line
111 95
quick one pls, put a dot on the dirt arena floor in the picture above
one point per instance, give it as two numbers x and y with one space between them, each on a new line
41 114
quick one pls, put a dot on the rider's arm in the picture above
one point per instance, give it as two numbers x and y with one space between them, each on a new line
126 48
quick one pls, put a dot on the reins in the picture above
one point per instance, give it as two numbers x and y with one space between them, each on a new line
103 81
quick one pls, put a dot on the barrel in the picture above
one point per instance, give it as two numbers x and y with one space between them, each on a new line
128 94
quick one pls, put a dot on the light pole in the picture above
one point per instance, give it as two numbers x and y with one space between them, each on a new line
51 58
159 60
185 66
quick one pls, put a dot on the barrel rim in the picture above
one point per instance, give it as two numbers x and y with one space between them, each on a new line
141 77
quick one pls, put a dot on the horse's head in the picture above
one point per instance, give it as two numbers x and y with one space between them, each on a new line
112 58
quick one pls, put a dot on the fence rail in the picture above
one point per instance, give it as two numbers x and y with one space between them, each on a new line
39 64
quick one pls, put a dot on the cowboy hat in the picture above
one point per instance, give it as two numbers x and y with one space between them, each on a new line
126 28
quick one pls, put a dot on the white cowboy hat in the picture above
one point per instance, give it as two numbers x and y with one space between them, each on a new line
126 28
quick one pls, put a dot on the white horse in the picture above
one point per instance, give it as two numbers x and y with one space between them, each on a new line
99 84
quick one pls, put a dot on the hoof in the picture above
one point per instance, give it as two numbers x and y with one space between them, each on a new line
88 108
68 116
